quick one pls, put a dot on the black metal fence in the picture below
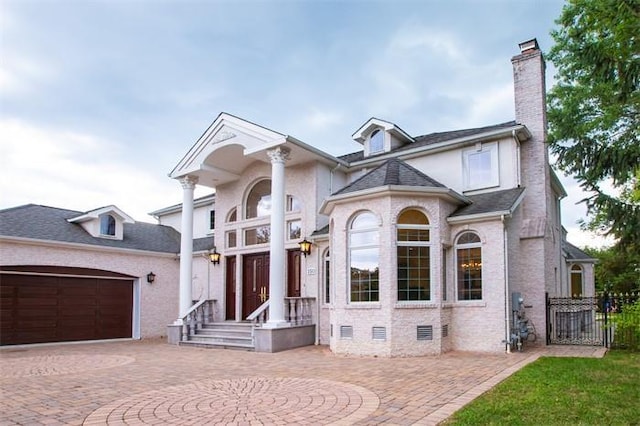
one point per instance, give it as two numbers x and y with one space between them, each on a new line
608 319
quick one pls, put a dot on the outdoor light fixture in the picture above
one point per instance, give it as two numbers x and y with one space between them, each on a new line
214 256
151 277
305 247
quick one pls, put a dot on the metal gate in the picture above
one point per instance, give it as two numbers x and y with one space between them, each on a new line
574 321
596 320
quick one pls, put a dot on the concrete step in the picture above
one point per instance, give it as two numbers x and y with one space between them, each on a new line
218 345
220 338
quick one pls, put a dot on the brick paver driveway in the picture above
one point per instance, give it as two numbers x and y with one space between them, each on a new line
150 382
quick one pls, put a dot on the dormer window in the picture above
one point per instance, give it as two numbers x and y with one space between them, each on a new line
108 225
376 142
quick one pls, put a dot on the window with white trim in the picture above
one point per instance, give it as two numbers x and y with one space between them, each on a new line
107 225
259 200
576 281
414 256
480 166
364 248
376 142
469 266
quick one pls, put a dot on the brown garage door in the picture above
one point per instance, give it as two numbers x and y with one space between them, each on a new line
41 308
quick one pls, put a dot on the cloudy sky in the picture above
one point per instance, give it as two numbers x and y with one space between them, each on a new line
100 99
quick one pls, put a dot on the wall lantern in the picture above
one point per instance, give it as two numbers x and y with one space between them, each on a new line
305 247
151 277
214 256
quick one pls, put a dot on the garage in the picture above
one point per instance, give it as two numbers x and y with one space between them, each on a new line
58 304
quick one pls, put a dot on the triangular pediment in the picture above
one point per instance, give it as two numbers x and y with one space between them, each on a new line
225 149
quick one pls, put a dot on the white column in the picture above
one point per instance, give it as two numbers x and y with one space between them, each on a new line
186 243
277 258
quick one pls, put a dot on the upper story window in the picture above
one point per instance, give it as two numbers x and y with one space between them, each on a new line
259 200
376 142
364 247
293 204
212 220
107 225
469 266
232 216
414 256
480 166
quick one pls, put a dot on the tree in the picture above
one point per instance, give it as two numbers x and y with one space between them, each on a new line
594 110
618 269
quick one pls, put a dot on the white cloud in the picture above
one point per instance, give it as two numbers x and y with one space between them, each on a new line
76 171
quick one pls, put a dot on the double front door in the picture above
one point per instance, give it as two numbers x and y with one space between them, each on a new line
255 281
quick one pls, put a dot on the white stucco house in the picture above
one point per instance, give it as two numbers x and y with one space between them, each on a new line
420 244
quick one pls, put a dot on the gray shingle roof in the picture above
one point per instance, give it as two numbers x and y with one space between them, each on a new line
574 253
433 138
496 201
391 172
50 223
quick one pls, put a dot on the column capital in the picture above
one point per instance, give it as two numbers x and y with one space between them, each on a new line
188 182
279 154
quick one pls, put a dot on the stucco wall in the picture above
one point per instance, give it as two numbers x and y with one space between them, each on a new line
158 301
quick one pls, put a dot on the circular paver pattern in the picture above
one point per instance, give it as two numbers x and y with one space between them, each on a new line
50 365
243 401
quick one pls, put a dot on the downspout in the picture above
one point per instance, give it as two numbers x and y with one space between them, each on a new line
507 316
331 177
517 165
319 298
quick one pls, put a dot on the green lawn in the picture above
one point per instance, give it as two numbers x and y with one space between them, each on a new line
563 391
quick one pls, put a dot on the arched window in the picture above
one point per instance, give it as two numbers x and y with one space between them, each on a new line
259 200
364 250
414 256
576 281
376 142
232 216
107 225
469 266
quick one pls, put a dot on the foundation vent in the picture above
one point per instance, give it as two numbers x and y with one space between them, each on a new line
379 333
425 332
346 332
445 330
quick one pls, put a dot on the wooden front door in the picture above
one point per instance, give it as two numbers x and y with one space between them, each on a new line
255 286
293 273
230 303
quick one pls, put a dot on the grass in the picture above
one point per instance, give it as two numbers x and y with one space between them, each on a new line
563 391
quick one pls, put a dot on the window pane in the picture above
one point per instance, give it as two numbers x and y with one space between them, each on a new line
293 204
212 219
107 225
259 200
468 238
414 217
413 235
359 239
364 221
259 235
469 273
364 275
233 215
376 141
480 168
414 280
327 279
231 239
295 229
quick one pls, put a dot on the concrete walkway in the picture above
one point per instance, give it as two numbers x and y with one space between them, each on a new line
150 382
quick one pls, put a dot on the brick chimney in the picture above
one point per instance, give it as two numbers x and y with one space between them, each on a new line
530 110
